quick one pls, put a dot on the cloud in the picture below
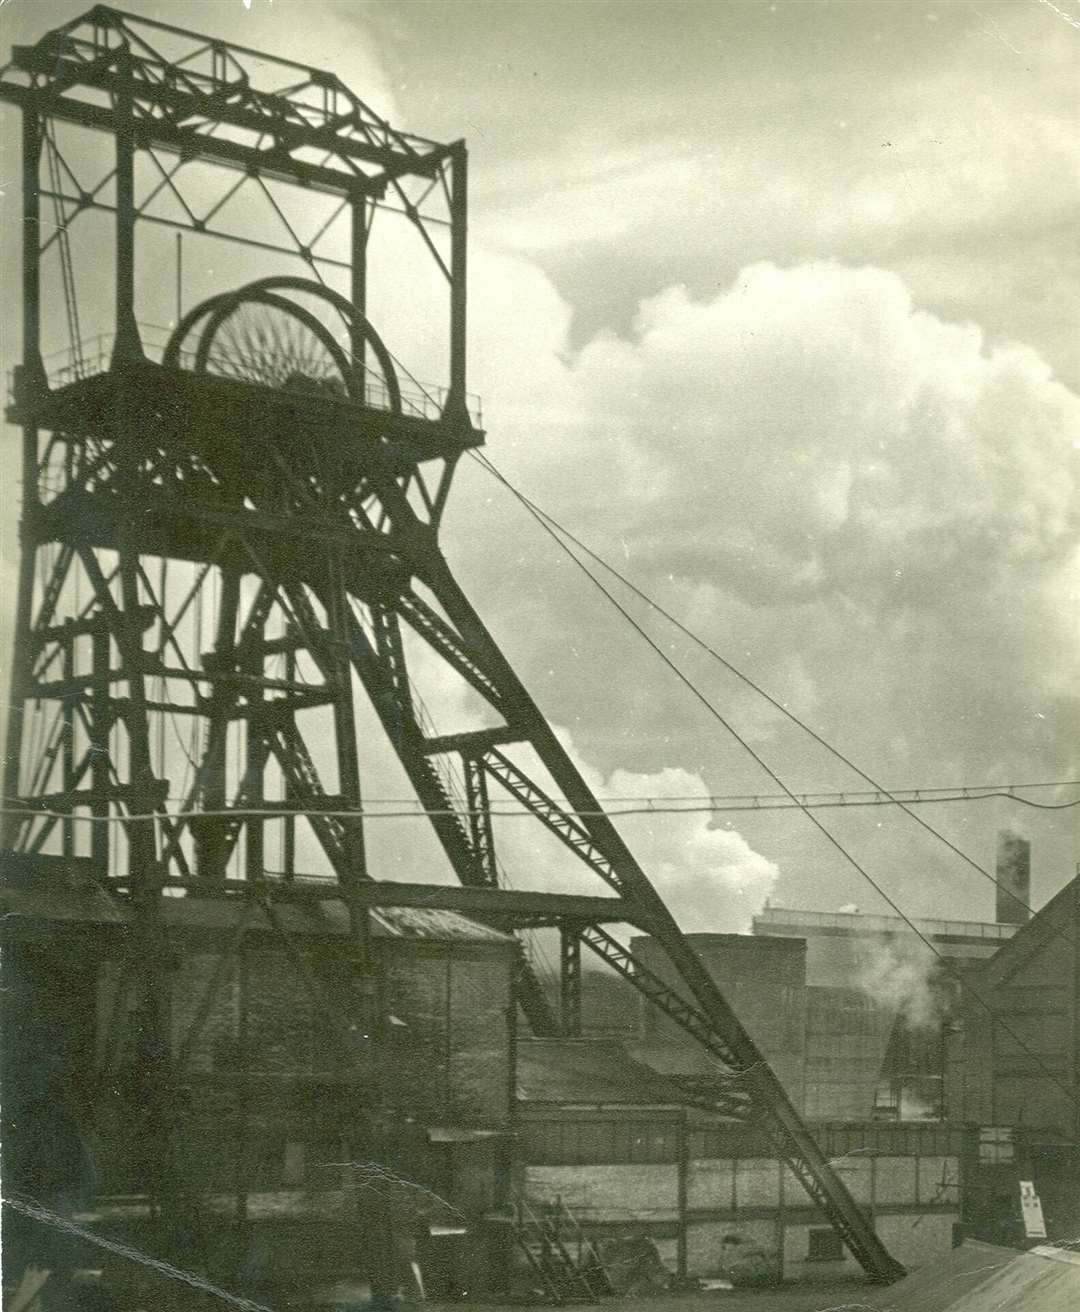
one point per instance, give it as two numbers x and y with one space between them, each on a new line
807 417
870 506
919 148
867 506
707 873
807 449
709 876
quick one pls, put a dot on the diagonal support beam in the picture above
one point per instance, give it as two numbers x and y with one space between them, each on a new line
556 818
382 672
290 751
430 625
601 846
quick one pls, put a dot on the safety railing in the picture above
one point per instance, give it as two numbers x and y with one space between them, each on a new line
93 355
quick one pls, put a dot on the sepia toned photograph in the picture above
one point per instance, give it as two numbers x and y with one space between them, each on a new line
540 648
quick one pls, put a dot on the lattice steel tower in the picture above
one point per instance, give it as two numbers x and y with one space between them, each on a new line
230 530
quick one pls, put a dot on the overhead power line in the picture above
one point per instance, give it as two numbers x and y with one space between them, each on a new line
404 808
550 528
553 528
788 799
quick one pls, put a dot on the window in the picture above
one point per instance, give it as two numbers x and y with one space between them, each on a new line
652 1143
995 1144
825 1246
706 1144
292 1173
592 1142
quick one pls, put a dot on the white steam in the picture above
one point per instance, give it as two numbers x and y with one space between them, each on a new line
902 977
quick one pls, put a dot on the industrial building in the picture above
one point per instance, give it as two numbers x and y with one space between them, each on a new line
229 1017
1030 984
877 1002
852 1011
1013 1068
276 1097
864 1003
239 1038
616 1144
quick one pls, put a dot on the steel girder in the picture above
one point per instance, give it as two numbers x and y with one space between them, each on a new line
324 595
138 465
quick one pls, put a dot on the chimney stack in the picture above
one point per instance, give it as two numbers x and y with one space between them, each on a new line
1013 877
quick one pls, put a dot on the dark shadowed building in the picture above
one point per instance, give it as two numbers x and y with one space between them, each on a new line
850 1009
290 1099
1014 1069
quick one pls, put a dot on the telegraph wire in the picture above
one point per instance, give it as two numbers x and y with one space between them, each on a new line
554 528
1072 1095
408 808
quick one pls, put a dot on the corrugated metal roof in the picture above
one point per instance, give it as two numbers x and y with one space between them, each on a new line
981 1278
1056 1286
433 923
588 1071
93 906
88 905
674 1058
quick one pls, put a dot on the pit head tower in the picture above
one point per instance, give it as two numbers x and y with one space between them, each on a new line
243 396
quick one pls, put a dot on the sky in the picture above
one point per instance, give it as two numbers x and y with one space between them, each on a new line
774 305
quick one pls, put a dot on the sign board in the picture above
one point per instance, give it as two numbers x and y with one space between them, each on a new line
1031 1208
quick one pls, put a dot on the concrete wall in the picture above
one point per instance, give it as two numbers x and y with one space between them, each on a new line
764 981
917 1241
710 1185
715 1247
797 1262
757 1183
751 1212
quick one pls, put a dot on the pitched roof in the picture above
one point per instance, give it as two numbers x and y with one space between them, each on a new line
594 1072
674 1058
976 1277
67 894
1054 919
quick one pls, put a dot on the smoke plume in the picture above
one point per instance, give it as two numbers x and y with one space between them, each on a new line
902 976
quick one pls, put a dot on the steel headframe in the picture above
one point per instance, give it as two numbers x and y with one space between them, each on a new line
161 91
314 518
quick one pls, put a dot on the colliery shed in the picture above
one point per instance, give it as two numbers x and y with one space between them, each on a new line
285 1104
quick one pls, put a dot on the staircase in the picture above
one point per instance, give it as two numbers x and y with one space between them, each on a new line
559 1253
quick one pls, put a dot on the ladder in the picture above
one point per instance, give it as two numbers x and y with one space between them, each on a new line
545 1234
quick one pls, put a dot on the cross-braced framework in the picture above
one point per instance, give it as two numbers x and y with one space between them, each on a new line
230 538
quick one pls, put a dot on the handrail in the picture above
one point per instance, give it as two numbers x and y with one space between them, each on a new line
554 1263
586 1252
93 355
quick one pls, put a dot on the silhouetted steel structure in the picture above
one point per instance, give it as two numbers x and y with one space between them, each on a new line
276 467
